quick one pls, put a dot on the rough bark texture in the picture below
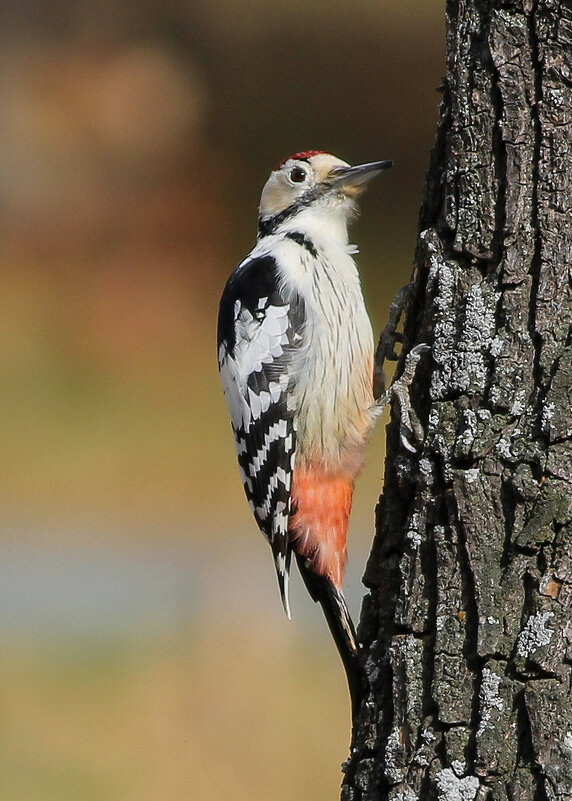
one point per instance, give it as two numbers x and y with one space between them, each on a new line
467 627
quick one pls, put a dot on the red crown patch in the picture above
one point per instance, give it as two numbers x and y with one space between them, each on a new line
303 155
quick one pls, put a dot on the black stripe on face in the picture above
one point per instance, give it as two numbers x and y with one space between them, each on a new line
268 225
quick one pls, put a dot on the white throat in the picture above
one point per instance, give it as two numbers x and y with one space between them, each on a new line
324 224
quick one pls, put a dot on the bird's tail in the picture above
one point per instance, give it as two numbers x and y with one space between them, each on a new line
339 621
282 563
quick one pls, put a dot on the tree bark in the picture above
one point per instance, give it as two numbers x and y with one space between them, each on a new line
467 626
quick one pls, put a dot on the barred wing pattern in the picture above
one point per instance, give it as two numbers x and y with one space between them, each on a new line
259 331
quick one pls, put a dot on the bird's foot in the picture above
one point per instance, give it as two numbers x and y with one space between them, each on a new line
410 427
388 339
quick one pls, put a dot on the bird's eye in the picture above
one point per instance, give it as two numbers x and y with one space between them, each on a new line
297 175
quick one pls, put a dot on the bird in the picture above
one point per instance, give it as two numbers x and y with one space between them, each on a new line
296 358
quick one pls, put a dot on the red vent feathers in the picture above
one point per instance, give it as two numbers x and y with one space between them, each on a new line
303 155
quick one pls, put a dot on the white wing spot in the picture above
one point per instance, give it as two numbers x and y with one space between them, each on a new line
265 401
255 405
275 390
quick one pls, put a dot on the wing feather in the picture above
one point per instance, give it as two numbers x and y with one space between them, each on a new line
259 332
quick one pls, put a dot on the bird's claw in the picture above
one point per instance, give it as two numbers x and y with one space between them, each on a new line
410 427
390 336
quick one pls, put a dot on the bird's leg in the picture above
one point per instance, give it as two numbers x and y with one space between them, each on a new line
388 339
409 422
399 390
410 425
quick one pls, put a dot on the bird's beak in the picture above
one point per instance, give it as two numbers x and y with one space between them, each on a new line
352 180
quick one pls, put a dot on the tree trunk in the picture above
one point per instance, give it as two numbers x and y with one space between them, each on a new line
467 627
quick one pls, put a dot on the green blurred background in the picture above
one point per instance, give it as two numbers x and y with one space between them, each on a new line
145 655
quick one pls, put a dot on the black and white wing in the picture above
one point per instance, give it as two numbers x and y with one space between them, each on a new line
259 333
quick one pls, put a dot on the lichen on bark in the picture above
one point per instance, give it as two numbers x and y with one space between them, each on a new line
467 626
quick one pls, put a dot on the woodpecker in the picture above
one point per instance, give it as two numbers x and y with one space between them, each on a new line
296 357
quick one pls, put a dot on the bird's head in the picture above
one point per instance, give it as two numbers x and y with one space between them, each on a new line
315 178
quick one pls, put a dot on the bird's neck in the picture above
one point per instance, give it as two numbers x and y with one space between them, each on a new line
323 225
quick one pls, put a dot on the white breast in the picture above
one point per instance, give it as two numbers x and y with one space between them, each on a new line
333 394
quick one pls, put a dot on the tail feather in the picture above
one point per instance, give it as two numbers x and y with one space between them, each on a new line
339 621
282 562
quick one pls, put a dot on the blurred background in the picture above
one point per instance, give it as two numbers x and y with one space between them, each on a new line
145 654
